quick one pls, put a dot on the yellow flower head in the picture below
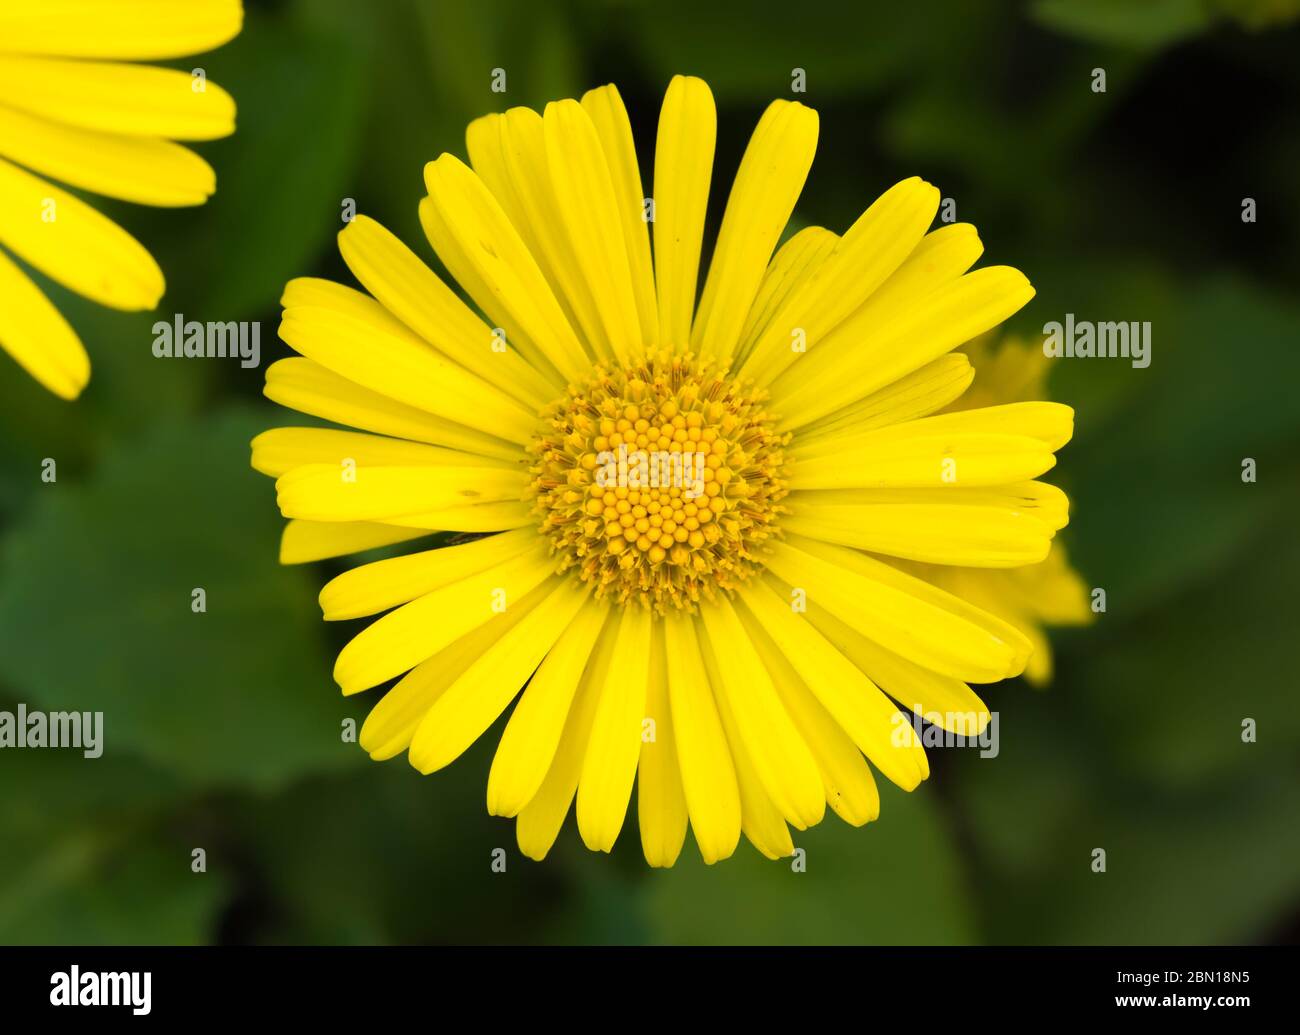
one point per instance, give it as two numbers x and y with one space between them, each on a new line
74 109
689 522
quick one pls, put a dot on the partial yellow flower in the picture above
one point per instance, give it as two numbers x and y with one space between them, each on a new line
1050 593
74 109
686 520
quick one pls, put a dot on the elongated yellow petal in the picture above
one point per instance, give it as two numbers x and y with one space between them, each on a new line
418 630
994 636
958 458
589 209
688 125
793 265
304 385
140 169
780 756
919 394
392 723
614 129
708 774
912 620
661 802
133 30
343 492
847 693
70 242
305 541
37 336
609 767
508 152
922 332
399 365
768 184
479 517
481 693
532 736
540 820
760 819
1044 502
279 450
949 702
501 264
414 294
868 253
134 100
937 533
846 777
386 583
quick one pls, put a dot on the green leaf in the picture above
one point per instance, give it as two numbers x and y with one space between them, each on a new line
85 859
96 603
1146 24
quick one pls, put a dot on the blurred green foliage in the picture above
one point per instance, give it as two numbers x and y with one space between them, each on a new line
222 728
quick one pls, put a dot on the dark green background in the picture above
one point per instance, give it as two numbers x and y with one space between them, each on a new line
222 728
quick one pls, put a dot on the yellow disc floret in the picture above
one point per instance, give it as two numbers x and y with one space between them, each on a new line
657 480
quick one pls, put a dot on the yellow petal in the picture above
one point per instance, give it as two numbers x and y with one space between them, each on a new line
70 242
135 100
868 253
922 459
508 152
418 630
847 693
919 394
661 802
917 621
708 774
540 820
140 169
609 767
500 263
791 267
391 724
589 210
609 116
37 336
281 449
386 583
306 386
916 335
779 755
760 819
936 533
134 30
339 492
768 184
532 736
414 294
684 147
376 355
481 693
846 777
305 541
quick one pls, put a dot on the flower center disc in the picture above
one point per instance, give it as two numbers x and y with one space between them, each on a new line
658 479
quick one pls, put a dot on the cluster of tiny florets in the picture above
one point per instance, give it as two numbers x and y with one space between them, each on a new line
658 480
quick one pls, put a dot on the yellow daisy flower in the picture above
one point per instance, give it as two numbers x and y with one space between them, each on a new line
72 108
1051 592
683 515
